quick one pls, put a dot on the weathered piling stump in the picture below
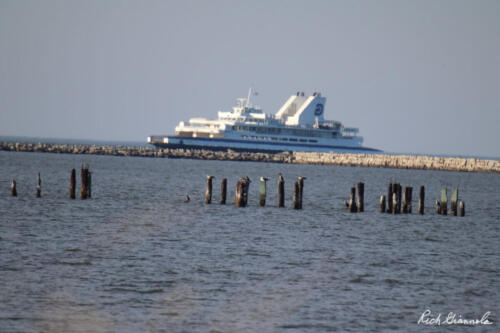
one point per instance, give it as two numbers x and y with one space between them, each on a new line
72 184
262 191
421 200
382 204
296 195
407 197
352 201
404 211
396 193
409 200
208 191
389 198
443 209
238 194
13 189
83 188
281 191
89 184
453 202
461 208
240 197
246 187
223 191
361 196
301 190
85 191
39 186
399 196
394 203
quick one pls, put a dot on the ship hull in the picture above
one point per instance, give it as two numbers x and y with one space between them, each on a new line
223 144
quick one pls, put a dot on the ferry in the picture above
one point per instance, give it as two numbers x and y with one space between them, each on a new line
299 126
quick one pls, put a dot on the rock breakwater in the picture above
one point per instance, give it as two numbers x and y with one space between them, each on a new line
364 160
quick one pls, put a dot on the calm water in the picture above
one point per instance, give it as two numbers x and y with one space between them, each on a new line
137 258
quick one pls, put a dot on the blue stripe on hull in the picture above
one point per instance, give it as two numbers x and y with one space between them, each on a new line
266 146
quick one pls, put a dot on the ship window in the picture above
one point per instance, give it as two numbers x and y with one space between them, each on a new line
313 140
293 140
274 139
283 139
303 140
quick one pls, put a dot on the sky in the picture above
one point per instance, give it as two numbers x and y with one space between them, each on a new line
413 76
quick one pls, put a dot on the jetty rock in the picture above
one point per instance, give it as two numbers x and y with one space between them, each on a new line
340 159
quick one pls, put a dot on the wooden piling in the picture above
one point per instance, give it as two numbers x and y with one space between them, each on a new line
361 197
246 187
389 198
409 200
72 184
296 195
262 191
461 208
352 201
404 206
399 197
240 195
223 191
83 187
421 200
84 175
407 196
39 186
301 190
281 191
89 184
396 189
382 204
453 203
394 203
444 202
13 189
208 192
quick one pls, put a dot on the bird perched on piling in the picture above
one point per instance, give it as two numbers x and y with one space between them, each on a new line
301 190
262 191
281 191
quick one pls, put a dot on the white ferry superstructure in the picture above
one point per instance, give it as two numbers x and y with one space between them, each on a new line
299 125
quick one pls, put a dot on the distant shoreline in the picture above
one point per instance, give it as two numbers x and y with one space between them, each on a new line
419 162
